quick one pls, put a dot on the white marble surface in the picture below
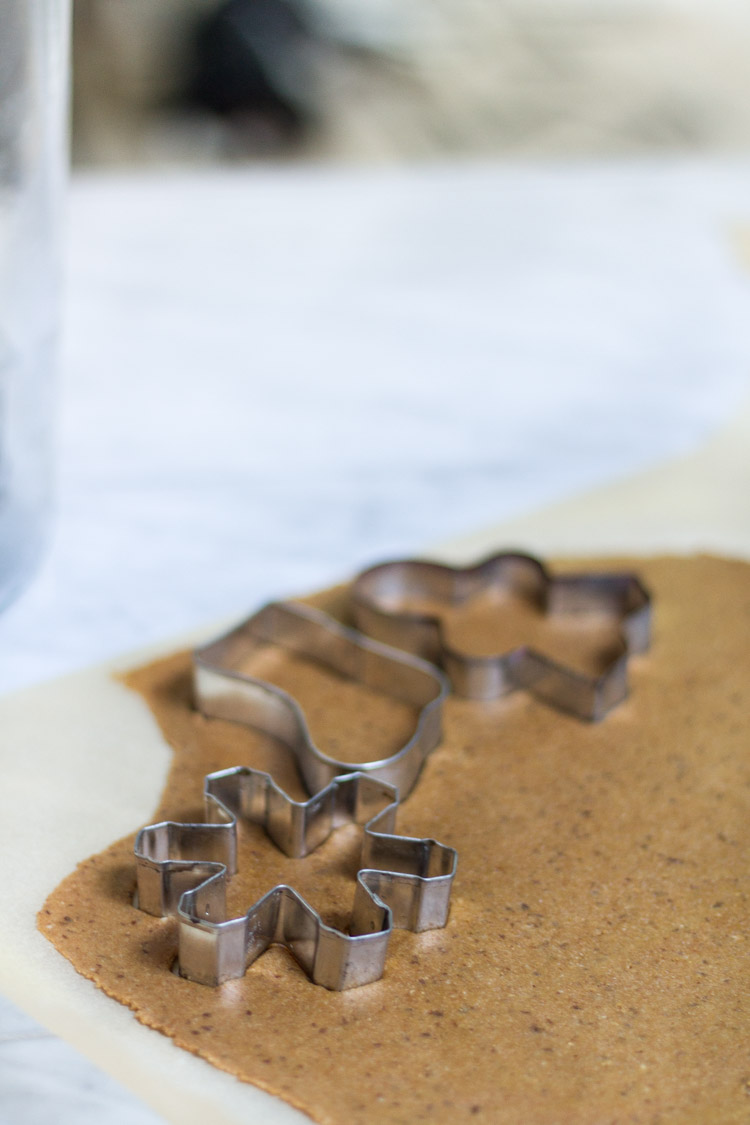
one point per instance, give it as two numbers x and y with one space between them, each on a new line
43 1080
273 377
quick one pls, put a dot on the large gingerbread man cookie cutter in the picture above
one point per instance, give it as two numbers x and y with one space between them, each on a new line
383 598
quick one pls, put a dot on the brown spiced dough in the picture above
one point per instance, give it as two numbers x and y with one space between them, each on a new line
595 965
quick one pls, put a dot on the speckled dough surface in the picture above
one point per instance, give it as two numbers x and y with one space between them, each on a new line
595 966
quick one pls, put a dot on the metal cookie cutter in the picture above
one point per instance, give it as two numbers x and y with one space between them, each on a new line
223 691
183 869
381 598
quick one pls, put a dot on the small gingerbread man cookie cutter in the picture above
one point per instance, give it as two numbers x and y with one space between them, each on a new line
382 595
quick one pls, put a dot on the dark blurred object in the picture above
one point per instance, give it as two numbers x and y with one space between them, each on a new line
252 65
391 79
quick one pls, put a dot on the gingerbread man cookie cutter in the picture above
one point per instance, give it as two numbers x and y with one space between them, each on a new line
382 595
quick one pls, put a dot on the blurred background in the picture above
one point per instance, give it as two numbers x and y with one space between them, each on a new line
348 278
374 80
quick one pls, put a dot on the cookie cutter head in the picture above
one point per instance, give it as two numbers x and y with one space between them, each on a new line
222 690
183 869
381 598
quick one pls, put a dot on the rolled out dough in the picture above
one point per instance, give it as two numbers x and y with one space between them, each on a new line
594 964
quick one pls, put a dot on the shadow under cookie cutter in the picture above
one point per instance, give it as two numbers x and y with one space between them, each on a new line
223 691
183 870
380 598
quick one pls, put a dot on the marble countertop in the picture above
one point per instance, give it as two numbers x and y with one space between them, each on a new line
275 376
